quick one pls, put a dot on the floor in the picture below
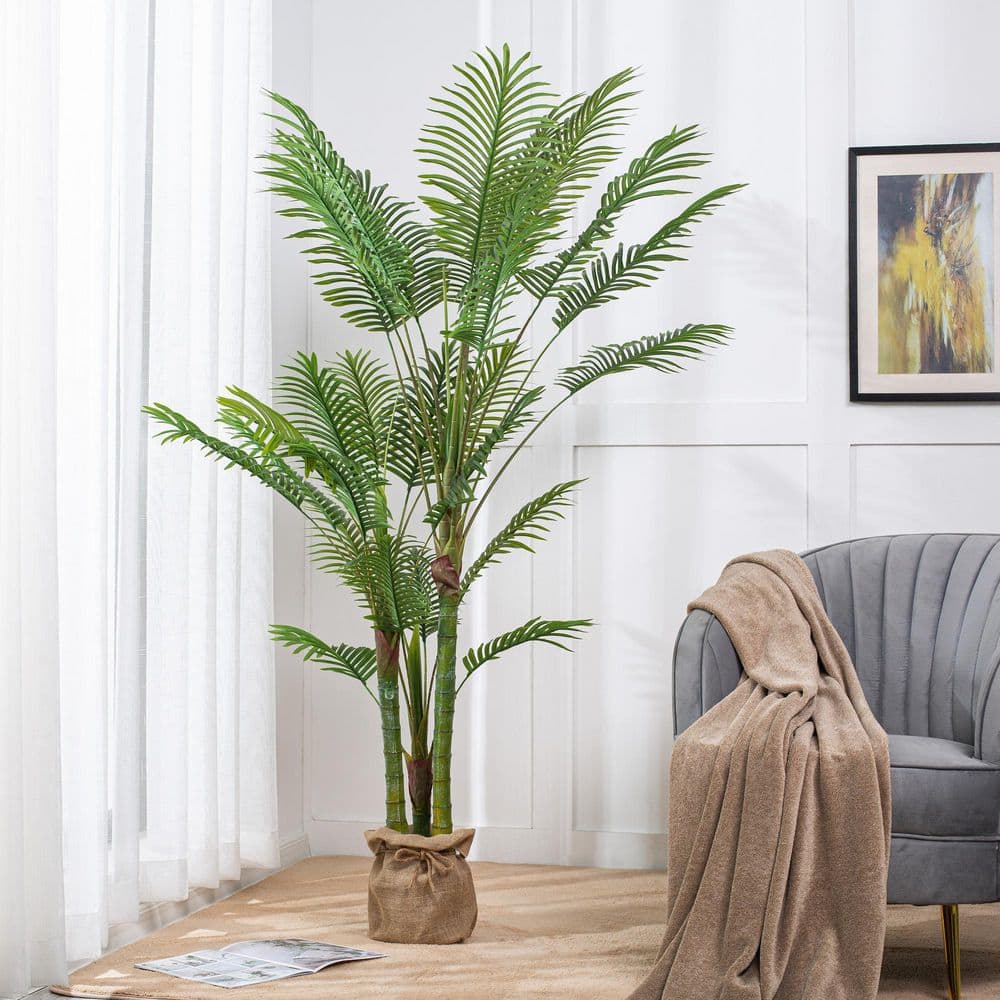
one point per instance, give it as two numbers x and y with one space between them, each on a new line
543 932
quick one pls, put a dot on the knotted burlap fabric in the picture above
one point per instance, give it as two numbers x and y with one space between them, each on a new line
779 810
420 889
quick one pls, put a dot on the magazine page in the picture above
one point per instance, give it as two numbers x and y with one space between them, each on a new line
215 968
305 956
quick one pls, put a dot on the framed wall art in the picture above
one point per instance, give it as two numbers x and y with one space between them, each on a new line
923 231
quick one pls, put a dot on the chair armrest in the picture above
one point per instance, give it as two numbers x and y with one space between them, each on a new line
987 719
706 668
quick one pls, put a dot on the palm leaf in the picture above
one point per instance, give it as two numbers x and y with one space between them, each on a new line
654 174
529 525
534 630
481 122
351 661
256 421
495 382
636 266
388 573
664 352
571 145
359 490
369 396
402 570
269 469
314 401
383 268
345 408
477 146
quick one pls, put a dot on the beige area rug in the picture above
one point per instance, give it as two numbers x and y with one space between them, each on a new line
543 932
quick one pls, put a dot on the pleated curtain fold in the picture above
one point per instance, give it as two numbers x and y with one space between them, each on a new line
137 754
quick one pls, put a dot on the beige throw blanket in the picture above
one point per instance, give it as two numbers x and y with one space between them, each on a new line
779 810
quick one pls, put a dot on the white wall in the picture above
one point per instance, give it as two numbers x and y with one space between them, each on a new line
564 758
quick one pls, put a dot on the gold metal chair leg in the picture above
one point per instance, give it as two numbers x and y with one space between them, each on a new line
949 931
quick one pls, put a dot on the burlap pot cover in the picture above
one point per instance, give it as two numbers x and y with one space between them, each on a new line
420 889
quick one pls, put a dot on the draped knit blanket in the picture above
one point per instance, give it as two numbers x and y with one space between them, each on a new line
779 810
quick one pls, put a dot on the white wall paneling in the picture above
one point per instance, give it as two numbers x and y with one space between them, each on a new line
654 525
925 487
564 758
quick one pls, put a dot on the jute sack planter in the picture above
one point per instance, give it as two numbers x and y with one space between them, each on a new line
420 889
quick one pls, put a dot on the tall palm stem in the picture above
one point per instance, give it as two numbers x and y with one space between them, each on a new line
418 762
444 705
387 660
446 570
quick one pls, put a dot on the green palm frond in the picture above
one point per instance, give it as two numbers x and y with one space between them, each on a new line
496 380
342 553
414 443
314 402
369 396
416 567
382 268
535 163
664 352
344 408
389 574
269 468
529 525
358 488
477 149
482 121
516 416
402 570
352 661
636 266
331 425
257 423
572 145
654 174
391 608
356 408
534 630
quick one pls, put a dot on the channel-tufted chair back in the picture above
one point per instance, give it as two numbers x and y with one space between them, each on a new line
920 615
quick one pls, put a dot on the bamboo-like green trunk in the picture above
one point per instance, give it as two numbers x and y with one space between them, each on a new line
418 760
419 771
444 707
387 661
445 570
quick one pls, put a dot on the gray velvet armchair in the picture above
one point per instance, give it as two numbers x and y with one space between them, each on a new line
920 615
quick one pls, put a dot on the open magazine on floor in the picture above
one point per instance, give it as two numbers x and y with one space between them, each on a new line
247 962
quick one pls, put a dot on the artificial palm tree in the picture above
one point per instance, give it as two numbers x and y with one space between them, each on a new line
507 163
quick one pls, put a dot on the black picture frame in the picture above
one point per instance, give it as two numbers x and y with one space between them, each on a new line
855 154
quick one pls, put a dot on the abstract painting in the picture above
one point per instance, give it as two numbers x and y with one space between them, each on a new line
923 270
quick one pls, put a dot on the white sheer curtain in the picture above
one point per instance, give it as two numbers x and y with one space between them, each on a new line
31 890
136 717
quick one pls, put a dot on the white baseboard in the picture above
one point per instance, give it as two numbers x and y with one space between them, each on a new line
517 845
294 850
